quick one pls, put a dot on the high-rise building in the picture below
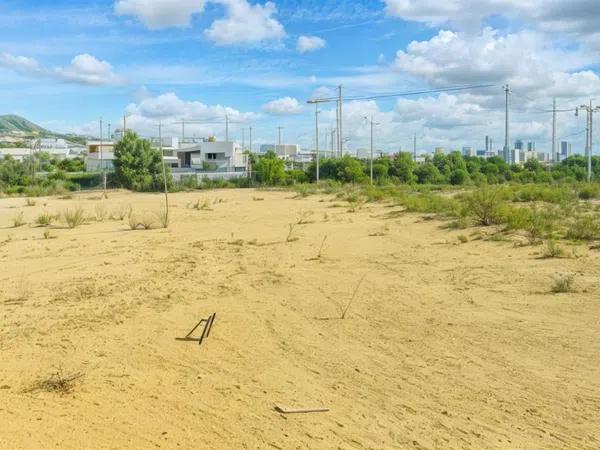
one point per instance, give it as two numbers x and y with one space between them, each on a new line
439 150
565 149
469 151
531 146
519 144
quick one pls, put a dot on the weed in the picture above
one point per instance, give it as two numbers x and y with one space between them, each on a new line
73 217
257 199
19 220
121 213
462 238
563 284
585 228
290 237
163 217
58 383
101 212
30 202
553 250
48 234
44 219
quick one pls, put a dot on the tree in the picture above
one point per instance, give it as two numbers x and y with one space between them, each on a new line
404 167
138 166
269 169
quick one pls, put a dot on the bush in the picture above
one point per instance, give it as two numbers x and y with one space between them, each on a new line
485 205
585 228
44 219
563 284
553 250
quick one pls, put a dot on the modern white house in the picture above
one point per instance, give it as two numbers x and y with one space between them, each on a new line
18 154
213 157
100 156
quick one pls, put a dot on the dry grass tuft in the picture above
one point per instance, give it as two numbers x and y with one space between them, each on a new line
58 383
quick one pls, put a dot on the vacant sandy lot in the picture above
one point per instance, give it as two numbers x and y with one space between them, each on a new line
446 345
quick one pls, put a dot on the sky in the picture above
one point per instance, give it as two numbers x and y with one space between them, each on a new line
65 64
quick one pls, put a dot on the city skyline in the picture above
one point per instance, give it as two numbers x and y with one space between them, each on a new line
65 64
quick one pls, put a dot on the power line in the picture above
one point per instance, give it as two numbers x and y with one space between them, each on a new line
401 94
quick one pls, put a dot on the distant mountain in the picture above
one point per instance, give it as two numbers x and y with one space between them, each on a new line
16 124
11 123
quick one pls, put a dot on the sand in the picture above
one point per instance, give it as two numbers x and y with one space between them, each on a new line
445 345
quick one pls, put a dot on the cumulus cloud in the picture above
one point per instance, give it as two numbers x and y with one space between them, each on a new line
245 23
307 44
283 106
525 60
144 114
83 69
156 14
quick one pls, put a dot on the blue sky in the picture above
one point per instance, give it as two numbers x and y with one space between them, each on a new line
64 64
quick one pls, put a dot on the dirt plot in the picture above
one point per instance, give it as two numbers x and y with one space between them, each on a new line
448 341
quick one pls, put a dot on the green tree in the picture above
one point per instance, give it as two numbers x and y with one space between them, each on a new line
403 168
269 169
138 166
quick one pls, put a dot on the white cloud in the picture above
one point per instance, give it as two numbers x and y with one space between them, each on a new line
144 115
245 24
309 44
84 69
576 17
283 106
526 60
156 14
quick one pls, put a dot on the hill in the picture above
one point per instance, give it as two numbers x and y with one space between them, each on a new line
11 123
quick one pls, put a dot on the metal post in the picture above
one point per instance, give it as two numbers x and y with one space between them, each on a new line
341 127
371 162
415 147
226 128
162 160
317 138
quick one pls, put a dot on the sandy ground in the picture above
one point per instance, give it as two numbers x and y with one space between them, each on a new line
446 344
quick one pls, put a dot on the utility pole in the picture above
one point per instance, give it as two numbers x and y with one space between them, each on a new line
109 138
589 126
243 139
333 149
226 128
317 138
102 159
124 125
250 139
182 131
337 127
554 156
507 158
279 135
341 126
415 147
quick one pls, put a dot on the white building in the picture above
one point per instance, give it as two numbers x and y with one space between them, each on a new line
100 156
18 154
213 157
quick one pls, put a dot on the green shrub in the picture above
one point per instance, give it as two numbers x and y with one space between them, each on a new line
44 219
485 205
553 250
584 228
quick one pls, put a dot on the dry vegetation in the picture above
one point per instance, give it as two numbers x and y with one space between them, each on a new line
454 319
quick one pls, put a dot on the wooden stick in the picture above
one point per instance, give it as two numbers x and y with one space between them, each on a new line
286 410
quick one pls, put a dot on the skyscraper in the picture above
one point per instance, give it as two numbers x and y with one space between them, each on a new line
518 144
565 149
531 146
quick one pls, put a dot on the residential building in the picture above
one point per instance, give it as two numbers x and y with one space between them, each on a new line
531 146
212 157
439 150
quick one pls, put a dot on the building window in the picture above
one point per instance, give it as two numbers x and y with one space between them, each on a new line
211 156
